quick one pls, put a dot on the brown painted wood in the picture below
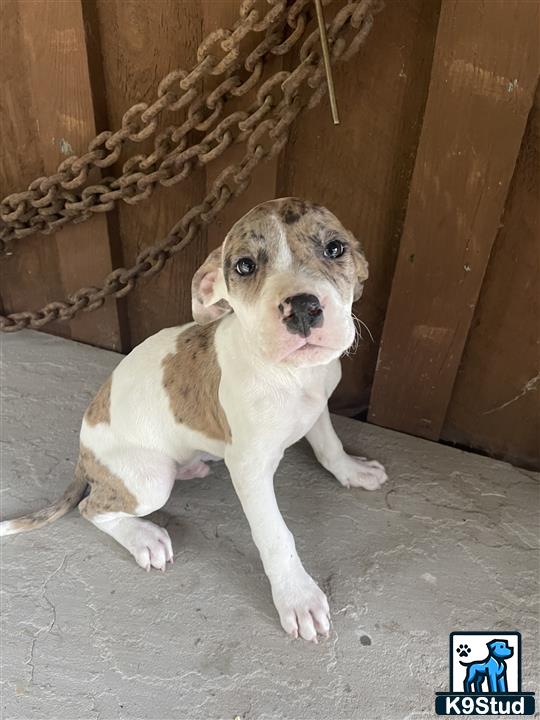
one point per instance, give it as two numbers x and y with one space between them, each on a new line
52 39
22 275
482 85
140 43
361 169
264 179
495 405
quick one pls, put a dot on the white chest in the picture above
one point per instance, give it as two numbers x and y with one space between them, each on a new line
285 413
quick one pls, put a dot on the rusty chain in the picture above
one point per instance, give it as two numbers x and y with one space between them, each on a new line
51 202
302 87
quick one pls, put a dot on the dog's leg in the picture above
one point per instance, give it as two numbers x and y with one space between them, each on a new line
468 682
478 684
302 606
196 469
351 471
501 684
131 484
492 680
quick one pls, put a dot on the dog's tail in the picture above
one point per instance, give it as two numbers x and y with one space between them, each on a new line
70 499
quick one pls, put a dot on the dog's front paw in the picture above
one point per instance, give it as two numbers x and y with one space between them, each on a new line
359 472
302 607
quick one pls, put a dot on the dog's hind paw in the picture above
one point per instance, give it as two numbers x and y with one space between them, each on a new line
150 545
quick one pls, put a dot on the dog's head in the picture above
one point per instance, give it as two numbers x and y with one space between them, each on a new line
290 272
500 649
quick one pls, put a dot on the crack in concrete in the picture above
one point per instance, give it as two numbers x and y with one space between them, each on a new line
46 628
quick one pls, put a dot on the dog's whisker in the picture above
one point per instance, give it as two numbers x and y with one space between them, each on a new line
357 319
369 331
353 347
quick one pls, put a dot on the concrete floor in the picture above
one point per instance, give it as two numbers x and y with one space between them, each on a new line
449 544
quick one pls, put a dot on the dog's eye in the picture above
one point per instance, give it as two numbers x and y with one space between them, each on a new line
334 249
245 266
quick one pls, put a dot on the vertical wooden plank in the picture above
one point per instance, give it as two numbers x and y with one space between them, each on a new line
99 90
264 178
484 73
141 42
495 405
53 40
30 276
361 169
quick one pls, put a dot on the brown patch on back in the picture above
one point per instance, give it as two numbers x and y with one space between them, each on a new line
191 378
99 410
108 492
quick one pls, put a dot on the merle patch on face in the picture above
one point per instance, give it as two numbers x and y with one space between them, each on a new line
257 237
254 245
291 217
293 210
262 257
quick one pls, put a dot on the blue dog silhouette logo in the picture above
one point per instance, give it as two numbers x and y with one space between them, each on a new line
491 669
485 676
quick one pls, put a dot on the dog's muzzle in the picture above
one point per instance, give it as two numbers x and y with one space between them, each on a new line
301 313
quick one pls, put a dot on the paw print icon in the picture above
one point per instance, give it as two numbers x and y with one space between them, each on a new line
463 650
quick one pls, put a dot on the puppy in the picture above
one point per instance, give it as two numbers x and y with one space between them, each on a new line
250 377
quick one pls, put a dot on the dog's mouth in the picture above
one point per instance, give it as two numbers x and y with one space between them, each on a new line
306 349
318 347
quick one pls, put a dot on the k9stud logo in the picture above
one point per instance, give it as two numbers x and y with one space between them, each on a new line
485 676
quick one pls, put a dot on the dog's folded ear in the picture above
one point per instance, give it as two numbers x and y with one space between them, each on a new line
361 266
207 303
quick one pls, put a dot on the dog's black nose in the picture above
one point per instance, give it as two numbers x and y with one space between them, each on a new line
301 313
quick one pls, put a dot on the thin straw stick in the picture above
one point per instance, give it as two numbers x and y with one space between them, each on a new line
326 59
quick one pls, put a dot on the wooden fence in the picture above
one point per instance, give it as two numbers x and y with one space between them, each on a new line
434 167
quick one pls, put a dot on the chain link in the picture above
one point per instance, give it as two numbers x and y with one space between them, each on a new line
51 202
264 127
